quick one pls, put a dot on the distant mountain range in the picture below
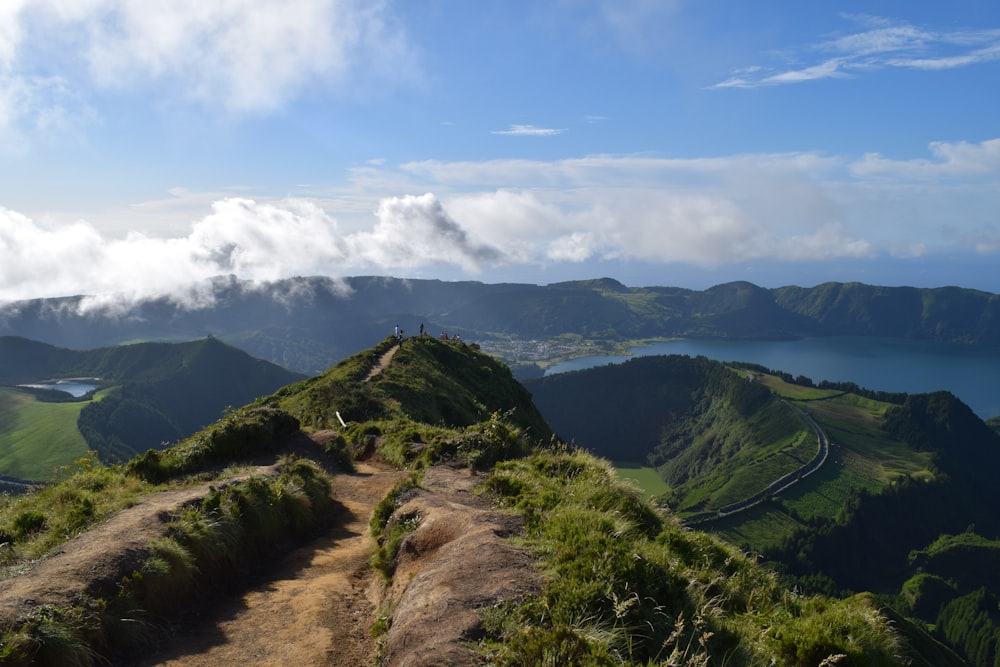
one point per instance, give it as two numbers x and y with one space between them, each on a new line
307 324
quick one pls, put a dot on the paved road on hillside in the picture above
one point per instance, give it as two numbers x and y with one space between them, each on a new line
779 485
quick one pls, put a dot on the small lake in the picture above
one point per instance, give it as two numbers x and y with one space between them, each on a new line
75 387
972 374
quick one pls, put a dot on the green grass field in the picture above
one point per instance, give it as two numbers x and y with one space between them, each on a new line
37 438
853 423
796 392
645 477
756 529
862 456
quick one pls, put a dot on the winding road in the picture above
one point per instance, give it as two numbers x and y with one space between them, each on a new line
779 485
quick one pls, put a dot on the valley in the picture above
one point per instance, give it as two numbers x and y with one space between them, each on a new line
475 483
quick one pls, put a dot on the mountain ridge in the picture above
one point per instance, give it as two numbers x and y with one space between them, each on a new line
310 323
615 578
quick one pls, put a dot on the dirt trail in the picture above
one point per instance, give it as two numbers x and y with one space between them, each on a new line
383 362
313 610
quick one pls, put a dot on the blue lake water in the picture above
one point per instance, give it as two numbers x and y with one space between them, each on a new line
972 374
74 388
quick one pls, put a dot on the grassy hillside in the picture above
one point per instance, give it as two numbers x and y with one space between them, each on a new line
414 406
864 458
38 437
624 582
155 393
716 435
903 474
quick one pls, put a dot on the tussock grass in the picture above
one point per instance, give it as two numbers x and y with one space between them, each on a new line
211 545
32 525
242 434
626 584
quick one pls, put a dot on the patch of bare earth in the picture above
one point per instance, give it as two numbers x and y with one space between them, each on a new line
454 564
314 609
382 363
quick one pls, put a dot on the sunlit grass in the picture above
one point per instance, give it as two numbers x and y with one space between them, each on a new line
625 584
853 422
644 477
32 525
36 437
796 392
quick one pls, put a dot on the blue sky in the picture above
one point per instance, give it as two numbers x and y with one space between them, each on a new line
147 144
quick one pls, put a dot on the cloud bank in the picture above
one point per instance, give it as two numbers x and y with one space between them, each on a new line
234 56
252 240
775 208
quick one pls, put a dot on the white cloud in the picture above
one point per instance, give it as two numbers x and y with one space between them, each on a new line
416 231
951 160
515 222
529 131
882 44
575 247
255 241
796 207
235 56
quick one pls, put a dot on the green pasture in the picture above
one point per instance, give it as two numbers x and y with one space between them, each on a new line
824 492
862 457
645 478
853 423
37 438
795 392
756 529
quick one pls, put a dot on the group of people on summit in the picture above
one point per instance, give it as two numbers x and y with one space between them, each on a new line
398 334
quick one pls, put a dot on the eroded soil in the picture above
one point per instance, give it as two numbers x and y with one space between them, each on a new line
455 564
93 562
314 609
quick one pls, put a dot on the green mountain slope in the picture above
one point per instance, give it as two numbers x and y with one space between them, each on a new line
308 324
716 435
623 581
900 478
158 392
430 388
